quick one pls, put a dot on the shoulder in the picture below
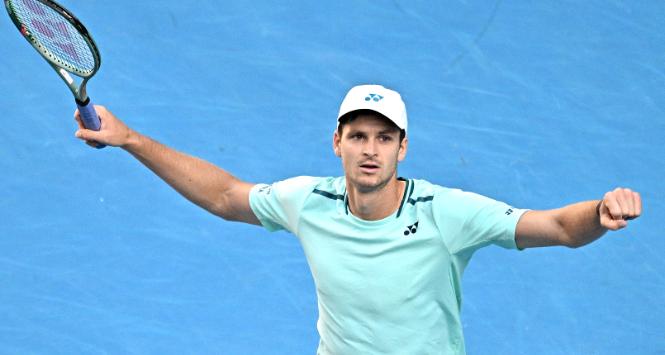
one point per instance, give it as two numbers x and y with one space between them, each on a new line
300 182
419 190
441 196
299 185
331 187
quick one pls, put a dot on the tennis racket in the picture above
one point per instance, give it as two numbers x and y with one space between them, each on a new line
65 44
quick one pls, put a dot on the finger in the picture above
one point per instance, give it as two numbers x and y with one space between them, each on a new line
612 224
626 200
91 143
619 194
87 135
77 118
80 123
613 207
101 113
637 205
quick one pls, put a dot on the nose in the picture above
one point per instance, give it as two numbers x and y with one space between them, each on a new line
370 147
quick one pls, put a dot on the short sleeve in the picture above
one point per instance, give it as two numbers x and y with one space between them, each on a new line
277 206
470 221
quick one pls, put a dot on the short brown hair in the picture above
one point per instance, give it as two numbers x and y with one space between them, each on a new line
351 116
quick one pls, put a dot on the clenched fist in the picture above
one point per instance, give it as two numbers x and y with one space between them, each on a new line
618 207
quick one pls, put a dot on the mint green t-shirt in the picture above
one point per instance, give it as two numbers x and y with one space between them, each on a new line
391 286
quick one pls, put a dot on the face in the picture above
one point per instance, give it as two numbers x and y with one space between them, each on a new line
370 149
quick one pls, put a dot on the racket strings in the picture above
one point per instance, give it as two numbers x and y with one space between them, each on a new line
61 41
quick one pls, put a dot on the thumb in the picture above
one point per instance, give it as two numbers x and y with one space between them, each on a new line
87 134
610 223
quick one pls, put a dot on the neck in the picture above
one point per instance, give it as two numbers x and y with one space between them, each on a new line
376 204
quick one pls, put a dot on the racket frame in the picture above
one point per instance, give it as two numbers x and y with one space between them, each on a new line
63 70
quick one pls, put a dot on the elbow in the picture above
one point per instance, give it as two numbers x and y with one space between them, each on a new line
221 210
568 238
219 206
225 208
572 243
232 204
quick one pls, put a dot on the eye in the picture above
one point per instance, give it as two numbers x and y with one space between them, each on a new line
385 138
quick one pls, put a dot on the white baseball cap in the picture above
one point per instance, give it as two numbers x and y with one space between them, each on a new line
376 98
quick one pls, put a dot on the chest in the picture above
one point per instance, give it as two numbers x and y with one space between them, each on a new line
401 258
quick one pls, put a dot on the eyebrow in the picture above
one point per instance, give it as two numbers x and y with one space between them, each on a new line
385 131
388 131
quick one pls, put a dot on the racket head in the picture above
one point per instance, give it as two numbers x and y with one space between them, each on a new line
57 35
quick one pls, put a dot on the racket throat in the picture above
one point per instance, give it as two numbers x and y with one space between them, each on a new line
83 102
66 77
81 94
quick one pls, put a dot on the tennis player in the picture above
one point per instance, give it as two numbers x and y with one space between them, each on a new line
387 253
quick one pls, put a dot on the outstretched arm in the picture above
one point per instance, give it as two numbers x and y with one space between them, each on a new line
580 223
197 180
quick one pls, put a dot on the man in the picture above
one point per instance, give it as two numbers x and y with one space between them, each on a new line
387 253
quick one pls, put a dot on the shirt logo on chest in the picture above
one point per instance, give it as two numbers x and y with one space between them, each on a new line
412 229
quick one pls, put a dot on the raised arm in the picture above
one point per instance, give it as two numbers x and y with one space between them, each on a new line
203 183
580 223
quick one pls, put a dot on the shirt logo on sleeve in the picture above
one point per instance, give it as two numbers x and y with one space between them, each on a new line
265 189
412 229
509 212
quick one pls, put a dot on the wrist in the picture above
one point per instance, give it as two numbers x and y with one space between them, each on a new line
133 141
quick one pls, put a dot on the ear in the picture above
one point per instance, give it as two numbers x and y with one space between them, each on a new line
336 144
403 147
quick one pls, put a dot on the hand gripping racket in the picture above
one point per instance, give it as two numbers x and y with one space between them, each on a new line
65 44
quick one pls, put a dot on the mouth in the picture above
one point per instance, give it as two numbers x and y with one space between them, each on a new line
369 168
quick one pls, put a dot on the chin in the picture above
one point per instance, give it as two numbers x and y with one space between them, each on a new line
367 184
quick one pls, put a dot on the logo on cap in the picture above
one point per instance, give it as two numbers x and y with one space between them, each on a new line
374 97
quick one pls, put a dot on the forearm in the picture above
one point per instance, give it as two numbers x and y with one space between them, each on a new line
201 182
580 223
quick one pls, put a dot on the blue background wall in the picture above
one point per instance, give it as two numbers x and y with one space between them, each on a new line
538 104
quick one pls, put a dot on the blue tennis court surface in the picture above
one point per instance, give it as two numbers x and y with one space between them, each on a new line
538 104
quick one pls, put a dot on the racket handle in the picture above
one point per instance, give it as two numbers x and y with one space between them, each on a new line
89 116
